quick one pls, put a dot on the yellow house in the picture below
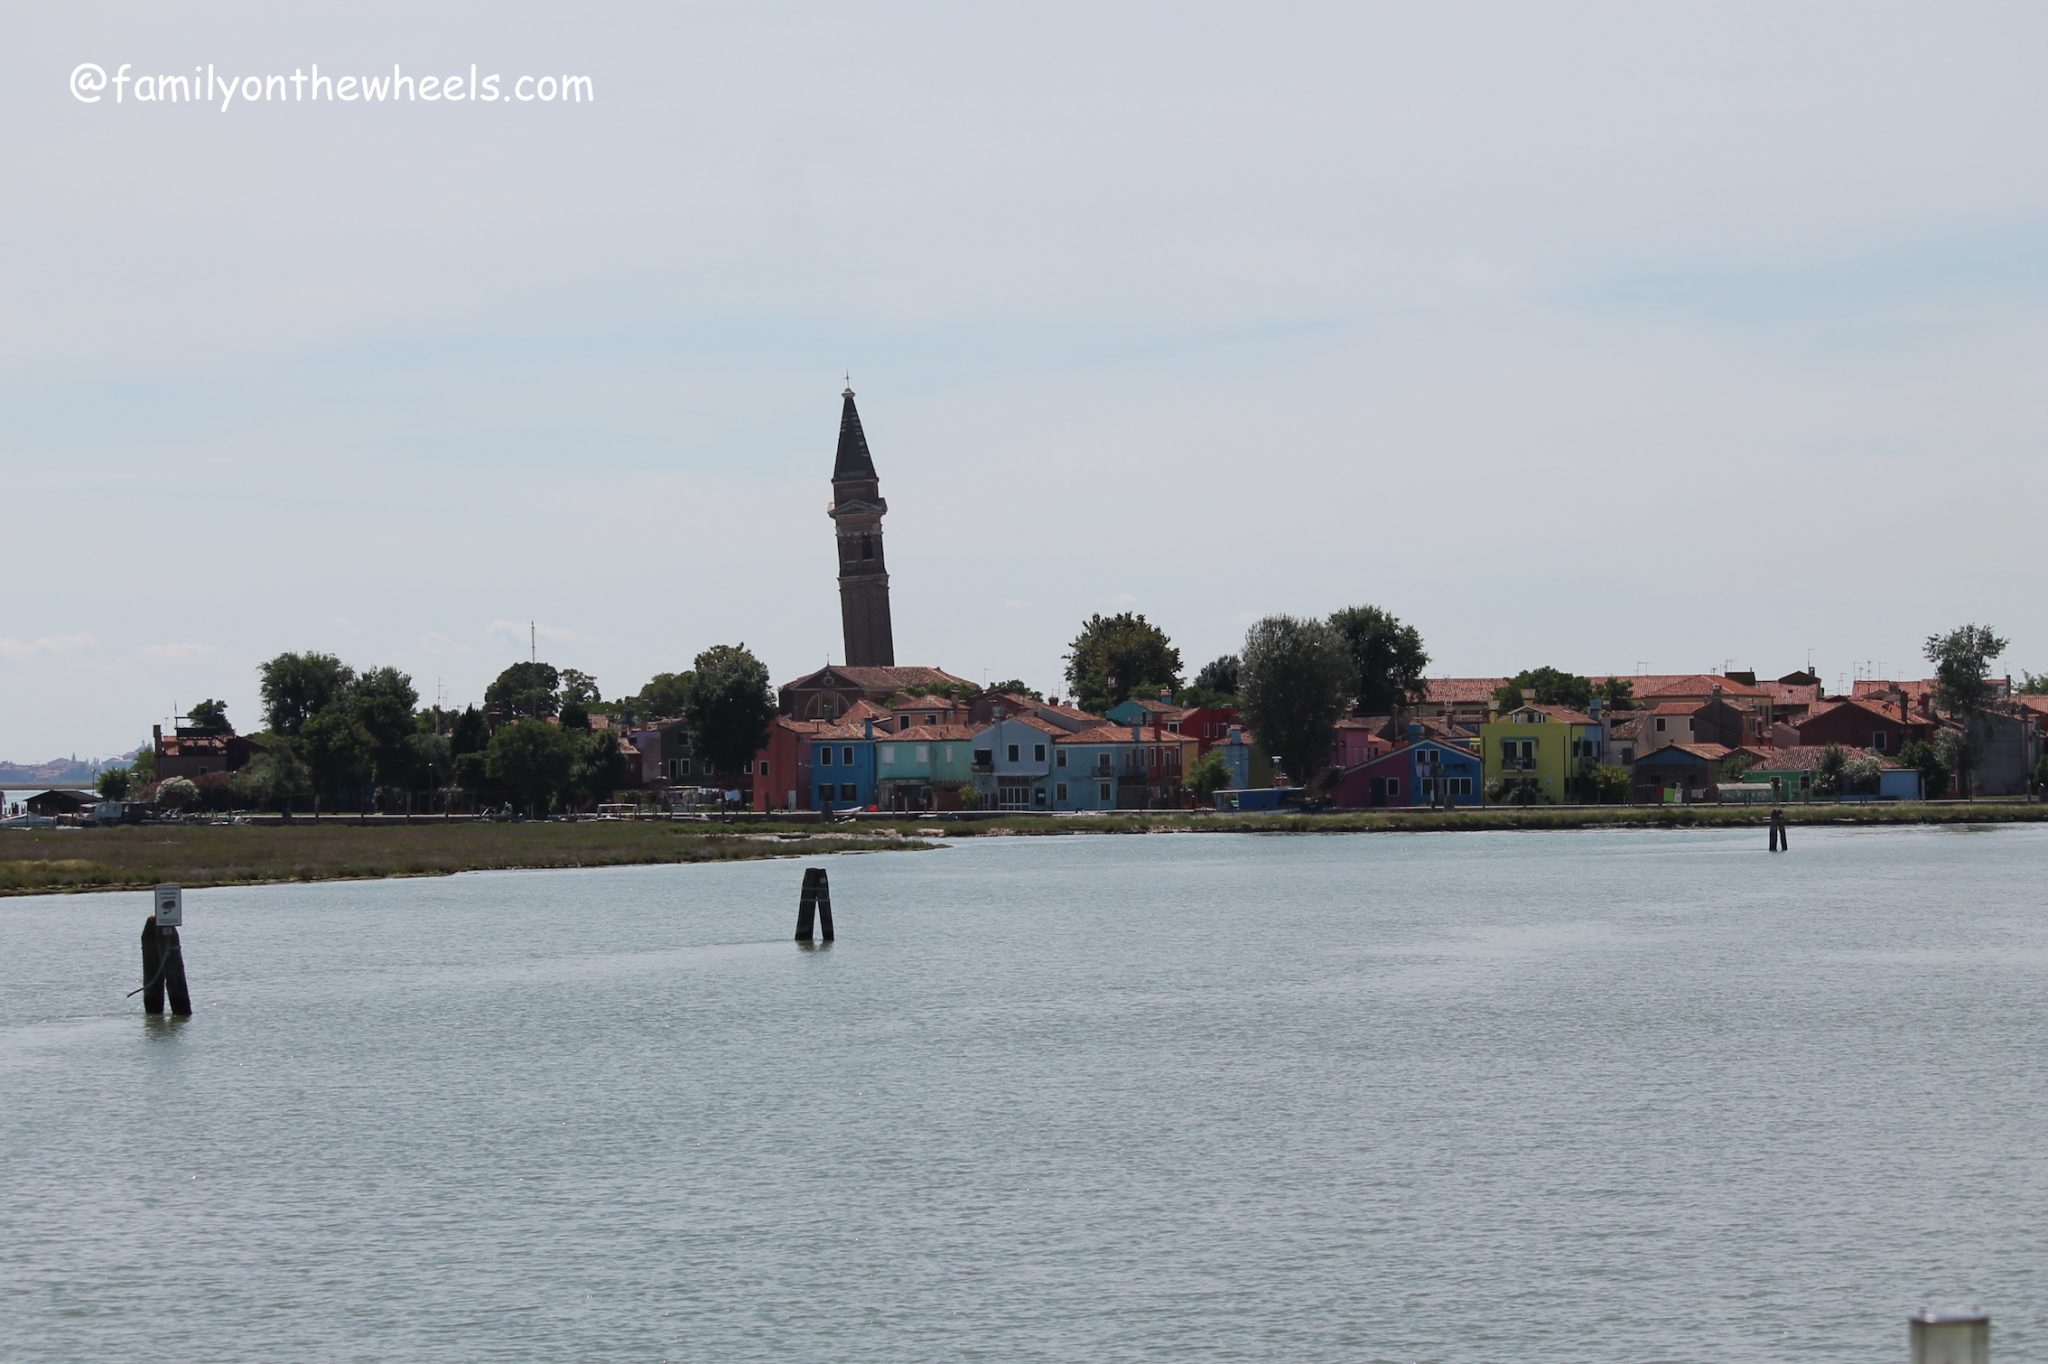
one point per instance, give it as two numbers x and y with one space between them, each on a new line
1537 755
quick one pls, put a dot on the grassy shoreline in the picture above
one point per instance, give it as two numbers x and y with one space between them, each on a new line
52 861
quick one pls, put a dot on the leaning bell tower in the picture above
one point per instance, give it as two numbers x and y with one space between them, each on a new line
857 509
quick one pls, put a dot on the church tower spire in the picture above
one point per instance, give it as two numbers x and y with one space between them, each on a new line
857 509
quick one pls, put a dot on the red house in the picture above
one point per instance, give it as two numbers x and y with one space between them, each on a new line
781 772
1864 724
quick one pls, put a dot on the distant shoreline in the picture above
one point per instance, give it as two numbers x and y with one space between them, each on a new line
67 861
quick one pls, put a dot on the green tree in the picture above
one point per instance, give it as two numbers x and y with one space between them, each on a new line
1209 775
296 687
143 765
534 759
1962 685
470 733
1926 759
575 715
579 686
114 783
1295 681
1618 693
338 752
1861 775
1736 764
211 716
599 768
433 760
666 696
1388 657
383 701
734 706
2033 684
1545 686
1611 784
1829 777
1219 675
529 690
274 778
1014 686
1116 657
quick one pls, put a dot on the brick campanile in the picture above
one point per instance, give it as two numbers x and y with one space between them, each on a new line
857 509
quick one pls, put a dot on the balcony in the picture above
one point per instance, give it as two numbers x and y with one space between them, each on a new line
1518 764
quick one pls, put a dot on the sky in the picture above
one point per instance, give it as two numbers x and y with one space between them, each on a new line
1615 337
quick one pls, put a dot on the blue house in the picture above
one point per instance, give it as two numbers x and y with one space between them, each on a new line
843 767
1420 772
1012 762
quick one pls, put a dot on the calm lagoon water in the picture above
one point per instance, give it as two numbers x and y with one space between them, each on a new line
1578 1096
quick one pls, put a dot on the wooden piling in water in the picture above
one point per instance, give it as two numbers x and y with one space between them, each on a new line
1780 840
163 971
814 906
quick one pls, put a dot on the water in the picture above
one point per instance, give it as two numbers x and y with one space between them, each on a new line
1588 1096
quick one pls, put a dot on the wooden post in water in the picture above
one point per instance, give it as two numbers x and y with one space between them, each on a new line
1780 841
163 963
815 905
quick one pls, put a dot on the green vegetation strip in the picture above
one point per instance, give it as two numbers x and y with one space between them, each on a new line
1498 817
39 861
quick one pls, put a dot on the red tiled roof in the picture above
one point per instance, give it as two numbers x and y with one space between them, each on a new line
1886 714
1712 753
1121 734
1807 757
931 734
1699 684
1677 707
888 679
1462 689
1030 721
1561 713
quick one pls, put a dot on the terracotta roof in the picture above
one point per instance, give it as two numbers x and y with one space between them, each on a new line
1885 714
1030 721
1625 729
903 700
1155 705
931 734
1807 757
1791 693
182 745
1462 689
1677 707
1712 753
1121 734
1561 713
1371 723
1699 684
887 679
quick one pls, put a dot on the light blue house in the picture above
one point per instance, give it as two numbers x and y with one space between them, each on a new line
1092 769
1013 763
1420 772
843 767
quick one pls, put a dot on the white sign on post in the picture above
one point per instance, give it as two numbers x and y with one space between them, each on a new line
170 906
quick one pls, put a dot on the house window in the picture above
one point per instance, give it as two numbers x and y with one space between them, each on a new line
1038 753
888 752
1059 792
1393 786
1059 759
1877 742
846 757
824 796
682 767
924 753
846 791
1013 752
1459 786
1660 724
762 767
709 771
1102 792
824 755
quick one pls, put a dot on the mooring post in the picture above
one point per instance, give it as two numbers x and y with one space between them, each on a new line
1956 1335
1779 841
163 963
815 905
152 967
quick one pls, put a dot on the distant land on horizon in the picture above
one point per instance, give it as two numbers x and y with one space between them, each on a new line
59 769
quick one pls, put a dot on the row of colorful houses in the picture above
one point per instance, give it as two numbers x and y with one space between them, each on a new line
919 739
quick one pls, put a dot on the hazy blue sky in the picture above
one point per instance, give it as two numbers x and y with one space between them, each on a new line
1592 335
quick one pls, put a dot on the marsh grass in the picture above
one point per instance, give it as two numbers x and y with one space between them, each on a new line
36 861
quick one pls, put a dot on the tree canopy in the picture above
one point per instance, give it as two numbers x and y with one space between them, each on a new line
1545 686
580 687
665 696
1218 676
733 705
530 690
1962 686
1388 657
1015 686
1115 657
1295 681
211 715
534 759
296 687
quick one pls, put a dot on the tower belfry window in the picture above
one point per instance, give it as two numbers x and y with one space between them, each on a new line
867 546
